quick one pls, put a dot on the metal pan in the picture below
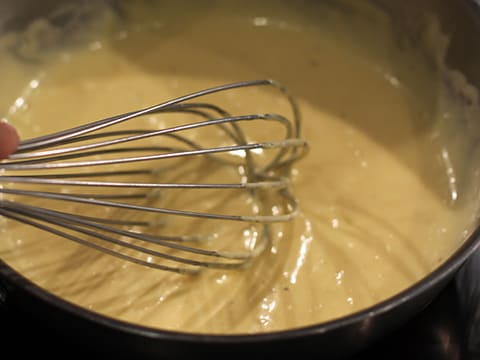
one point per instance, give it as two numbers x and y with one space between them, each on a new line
330 340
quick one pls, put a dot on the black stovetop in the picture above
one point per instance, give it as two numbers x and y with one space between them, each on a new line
448 329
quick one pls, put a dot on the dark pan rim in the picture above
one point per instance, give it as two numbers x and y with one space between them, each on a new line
437 276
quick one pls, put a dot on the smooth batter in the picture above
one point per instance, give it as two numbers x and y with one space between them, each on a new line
381 193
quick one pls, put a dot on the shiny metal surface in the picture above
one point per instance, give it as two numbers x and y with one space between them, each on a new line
73 148
440 332
344 338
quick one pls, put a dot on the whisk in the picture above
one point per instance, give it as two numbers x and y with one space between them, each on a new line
90 188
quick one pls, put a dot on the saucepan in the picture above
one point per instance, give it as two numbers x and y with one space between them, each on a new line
459 20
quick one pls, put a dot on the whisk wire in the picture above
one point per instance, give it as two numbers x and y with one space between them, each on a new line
51 157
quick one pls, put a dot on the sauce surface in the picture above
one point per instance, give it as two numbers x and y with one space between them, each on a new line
381 192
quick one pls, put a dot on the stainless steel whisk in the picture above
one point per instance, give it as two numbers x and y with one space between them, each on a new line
119 150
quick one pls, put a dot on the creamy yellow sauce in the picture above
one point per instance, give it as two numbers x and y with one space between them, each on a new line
382 193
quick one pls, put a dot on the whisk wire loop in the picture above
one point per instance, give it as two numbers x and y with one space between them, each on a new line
157 161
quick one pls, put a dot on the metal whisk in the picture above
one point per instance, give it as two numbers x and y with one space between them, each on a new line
102 184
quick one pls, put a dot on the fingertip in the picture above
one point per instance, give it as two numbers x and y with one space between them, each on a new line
9 139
